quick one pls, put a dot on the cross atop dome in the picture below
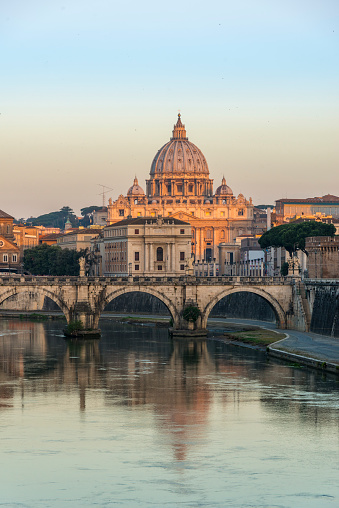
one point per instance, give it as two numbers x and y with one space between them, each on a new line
179 131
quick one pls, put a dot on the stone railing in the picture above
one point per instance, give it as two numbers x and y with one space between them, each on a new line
182 280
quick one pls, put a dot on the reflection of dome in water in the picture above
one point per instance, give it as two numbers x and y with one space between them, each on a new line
135 190
223 189
179 155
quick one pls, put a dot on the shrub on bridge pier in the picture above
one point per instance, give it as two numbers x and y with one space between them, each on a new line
191 313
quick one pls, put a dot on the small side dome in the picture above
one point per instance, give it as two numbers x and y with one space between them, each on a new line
223 189
135 190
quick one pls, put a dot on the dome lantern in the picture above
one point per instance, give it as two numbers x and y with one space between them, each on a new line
135 190
179 131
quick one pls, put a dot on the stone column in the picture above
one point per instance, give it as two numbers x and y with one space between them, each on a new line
201 244
151 261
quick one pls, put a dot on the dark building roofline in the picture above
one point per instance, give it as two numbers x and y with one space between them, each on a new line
4 215
149 220
328 199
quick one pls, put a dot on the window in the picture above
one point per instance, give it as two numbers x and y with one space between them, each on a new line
136 231
182 256
14 258
182 267
182 231
136 256
159 267
5 258
136 267
208 233
241 212
190 188
121 213
160 254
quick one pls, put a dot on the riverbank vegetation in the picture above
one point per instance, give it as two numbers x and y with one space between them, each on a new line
255 336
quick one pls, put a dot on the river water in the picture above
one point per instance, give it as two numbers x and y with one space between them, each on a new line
136 420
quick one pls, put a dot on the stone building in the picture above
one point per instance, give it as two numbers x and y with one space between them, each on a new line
323 257
26 237
150 246
99 217
78 239
180 187
9 251
287 209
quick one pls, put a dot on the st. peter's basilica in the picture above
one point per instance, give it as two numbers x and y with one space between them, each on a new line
180 186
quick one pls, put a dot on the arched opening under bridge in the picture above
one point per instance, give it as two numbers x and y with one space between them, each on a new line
144 302
253 304
32 300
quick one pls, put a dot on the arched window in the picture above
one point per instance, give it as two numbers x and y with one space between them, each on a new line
160 254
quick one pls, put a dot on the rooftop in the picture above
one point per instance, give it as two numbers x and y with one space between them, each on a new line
328 198
149 220
4 215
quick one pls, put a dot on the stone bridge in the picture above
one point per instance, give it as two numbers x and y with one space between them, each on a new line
85 298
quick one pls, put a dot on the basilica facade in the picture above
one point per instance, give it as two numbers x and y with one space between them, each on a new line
180 186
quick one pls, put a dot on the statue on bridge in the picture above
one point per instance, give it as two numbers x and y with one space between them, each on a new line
82 263
293 267
189 266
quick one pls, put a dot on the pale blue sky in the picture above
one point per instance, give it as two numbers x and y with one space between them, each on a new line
90 91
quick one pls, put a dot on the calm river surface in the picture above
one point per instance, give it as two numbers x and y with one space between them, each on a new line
136 419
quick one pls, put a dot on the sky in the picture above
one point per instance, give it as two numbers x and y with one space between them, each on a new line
91 89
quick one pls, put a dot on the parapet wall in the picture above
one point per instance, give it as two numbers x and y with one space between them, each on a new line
323 298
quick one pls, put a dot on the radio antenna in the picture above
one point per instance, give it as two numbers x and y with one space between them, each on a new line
103 193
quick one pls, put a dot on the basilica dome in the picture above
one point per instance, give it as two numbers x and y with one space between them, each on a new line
179 156
223 189
135 190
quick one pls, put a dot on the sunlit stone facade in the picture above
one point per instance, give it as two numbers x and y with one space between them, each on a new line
180 186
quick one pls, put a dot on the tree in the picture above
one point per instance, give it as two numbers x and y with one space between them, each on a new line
55 219
89 209
292 236
52 260
87 215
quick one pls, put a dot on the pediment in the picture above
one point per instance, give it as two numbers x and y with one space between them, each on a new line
6 244
182 216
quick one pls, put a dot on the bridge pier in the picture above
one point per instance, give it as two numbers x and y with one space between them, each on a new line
83 312
188 327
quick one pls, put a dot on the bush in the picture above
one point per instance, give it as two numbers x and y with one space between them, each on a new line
284 269
191 313
74 326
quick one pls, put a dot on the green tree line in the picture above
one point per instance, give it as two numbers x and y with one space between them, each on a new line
292 236
52 260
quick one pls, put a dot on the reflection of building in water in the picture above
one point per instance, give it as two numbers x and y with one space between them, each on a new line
181 383
80 367
30 344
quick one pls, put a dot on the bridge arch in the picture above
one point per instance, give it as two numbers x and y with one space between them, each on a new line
174 312
277 308
36 289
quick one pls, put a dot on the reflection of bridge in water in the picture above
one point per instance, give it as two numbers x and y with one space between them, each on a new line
85 298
